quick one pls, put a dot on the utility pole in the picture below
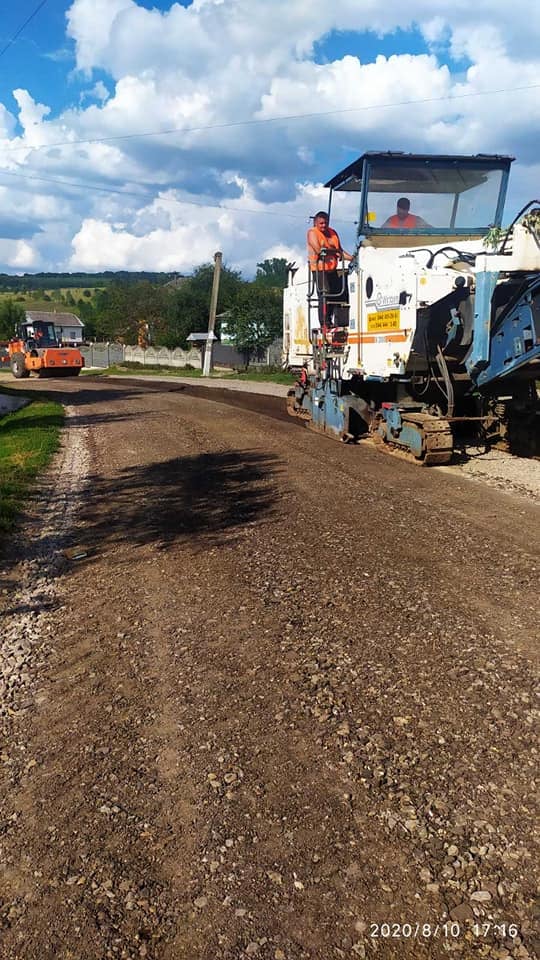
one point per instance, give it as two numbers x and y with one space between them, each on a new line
212 316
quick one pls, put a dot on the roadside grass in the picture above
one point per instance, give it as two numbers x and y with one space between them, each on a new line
28 439
125 370
261 376
270 375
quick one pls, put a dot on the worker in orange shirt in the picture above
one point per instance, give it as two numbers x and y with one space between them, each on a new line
403 219
324 253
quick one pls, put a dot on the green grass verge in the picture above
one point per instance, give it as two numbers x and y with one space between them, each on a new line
28 439
280 376
117 371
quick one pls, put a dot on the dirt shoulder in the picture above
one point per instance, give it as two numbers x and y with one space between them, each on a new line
285 697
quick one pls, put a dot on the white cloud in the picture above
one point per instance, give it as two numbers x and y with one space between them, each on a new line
89 24
7 123
216 62
97 92
177 235
17 254
98 245
31 114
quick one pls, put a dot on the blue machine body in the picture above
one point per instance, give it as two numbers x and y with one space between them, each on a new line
512 343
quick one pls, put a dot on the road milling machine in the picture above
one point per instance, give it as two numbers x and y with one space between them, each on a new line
36 348
437 336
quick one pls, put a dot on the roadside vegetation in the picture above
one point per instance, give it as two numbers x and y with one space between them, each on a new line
28 439
124 369
264 375
159 310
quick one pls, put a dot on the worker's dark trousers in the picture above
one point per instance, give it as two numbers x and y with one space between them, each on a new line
333 292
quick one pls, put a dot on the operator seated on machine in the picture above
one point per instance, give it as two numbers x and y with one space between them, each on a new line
403 219
31 342
324 253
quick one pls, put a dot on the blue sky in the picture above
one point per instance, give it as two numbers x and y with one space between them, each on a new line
26 62
212 70
365 45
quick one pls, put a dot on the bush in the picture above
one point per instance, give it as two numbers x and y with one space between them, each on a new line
137 365
259 368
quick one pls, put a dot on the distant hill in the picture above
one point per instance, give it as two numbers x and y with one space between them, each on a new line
56 281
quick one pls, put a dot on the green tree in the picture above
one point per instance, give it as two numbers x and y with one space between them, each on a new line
189 304
10 315
87 315
272 273
123 310
255 318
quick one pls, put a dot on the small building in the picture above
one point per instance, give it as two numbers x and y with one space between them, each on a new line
69 329
200 341
200 338
224 335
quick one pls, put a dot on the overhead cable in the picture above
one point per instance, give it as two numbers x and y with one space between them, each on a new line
262 120
21 28
147 193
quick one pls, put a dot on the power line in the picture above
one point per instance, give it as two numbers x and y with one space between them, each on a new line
264 120
21 28
148 193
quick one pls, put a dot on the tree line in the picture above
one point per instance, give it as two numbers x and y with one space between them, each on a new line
59 281
164 315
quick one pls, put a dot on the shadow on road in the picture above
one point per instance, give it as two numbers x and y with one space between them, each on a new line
77 399
203 497
36 607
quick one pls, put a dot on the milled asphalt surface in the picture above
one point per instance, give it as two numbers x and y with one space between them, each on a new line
283 705
492 467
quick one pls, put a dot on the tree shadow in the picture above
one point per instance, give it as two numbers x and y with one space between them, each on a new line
76 399
41 422
206 498
107 394
36 607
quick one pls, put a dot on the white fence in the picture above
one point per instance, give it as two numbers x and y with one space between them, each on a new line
109 354
161 357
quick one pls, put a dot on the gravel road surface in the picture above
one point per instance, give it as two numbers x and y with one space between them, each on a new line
263 695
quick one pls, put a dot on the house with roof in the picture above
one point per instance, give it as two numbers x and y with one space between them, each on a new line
69 329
